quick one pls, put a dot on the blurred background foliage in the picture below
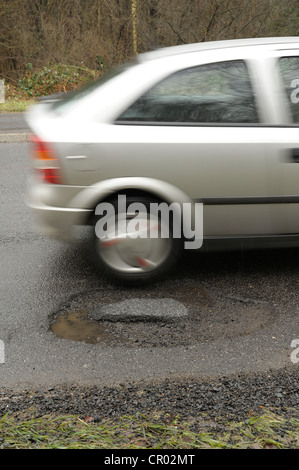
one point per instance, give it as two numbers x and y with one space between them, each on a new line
49 46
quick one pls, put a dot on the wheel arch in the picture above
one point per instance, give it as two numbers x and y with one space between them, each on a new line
106 190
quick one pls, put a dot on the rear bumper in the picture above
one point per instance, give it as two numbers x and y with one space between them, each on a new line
50 205
57 222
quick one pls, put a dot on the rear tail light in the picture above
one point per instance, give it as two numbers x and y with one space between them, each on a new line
46 163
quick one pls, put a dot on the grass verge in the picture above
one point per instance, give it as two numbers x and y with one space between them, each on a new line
269 430
15 106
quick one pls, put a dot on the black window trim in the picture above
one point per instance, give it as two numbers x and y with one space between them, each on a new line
204 124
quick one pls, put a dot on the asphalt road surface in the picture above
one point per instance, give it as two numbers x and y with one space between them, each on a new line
13 127
216 314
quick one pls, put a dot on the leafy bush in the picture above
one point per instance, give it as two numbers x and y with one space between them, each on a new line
53 79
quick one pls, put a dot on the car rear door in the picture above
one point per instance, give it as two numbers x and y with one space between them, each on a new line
204 130
282 68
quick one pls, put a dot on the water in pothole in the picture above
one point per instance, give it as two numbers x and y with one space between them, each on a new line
77 326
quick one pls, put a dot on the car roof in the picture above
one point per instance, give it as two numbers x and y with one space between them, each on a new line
276 42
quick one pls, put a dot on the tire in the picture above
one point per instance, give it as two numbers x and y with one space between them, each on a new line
133 257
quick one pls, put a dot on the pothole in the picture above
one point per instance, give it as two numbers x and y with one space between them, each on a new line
145 321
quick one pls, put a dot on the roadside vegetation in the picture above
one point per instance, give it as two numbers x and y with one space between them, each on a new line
15 105
50 80
267 431
49 47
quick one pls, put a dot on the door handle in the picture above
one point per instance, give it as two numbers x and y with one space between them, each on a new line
295 155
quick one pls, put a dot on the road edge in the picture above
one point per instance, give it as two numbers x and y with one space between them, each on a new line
14 137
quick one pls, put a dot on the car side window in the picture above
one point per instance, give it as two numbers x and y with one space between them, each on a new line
289 70
215 93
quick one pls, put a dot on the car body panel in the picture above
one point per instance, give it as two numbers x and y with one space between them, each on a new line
242 173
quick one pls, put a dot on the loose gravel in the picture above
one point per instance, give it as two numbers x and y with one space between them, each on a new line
219 400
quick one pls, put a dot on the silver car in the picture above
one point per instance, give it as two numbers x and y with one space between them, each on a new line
204 132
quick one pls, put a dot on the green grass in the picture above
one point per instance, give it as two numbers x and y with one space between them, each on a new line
269 430
15 106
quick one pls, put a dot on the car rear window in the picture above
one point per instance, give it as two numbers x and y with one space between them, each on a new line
214 93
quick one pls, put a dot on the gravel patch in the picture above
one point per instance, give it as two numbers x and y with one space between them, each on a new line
226 398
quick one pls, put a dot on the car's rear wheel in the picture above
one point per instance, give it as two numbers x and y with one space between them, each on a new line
132 245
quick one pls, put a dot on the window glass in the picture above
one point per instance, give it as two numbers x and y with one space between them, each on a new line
214 93
289 69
